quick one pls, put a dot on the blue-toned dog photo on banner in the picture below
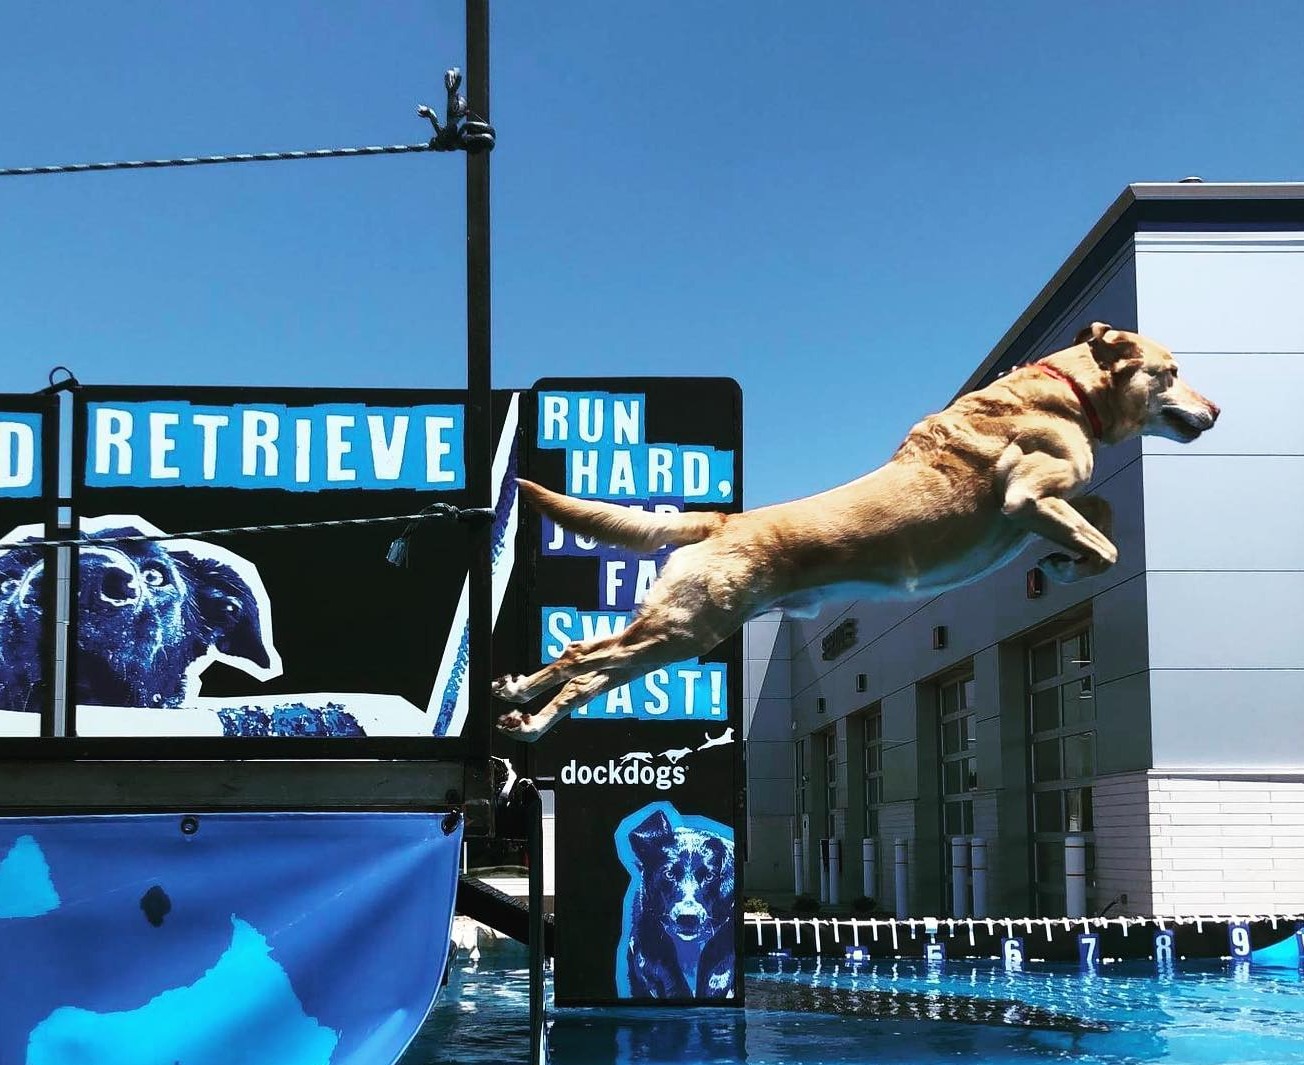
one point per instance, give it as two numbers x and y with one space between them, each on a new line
677 935
152 615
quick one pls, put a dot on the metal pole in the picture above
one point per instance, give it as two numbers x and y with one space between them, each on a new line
798 868
1075 876
869 868
824 871
978 860
959 876
534 851
901 863
835 872
479 377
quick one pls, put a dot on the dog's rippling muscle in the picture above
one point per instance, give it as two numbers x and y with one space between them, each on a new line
681 942
963 495
150 616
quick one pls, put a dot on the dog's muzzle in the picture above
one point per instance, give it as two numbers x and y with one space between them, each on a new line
108 579
1189 422
687 920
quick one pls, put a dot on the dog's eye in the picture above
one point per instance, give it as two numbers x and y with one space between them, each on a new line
154 576
668 873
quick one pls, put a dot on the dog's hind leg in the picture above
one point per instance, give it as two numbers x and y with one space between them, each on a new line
575 693
582 656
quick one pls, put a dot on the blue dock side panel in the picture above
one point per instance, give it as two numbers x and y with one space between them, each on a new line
267 939
1287 953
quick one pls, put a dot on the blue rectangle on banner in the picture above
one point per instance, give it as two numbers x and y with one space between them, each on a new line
20 455
170 444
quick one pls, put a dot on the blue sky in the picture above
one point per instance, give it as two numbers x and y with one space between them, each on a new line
843 205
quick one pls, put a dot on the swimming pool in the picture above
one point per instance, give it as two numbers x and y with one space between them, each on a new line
809 1012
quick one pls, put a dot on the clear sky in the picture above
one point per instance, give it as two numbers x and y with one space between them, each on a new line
843 205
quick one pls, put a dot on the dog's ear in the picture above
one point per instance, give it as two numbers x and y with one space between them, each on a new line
1091 333
228 608
1109 346
650 838
719 852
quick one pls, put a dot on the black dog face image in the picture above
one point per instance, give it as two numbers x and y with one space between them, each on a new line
150 618
20 629
680 915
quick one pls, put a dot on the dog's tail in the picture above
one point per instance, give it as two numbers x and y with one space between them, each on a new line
621 526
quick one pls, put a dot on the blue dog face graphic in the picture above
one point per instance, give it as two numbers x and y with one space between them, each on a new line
150 618
685 874
681 913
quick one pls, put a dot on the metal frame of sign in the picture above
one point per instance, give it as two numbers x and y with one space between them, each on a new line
472 744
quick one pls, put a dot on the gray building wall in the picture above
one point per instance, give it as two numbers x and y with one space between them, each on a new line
767 730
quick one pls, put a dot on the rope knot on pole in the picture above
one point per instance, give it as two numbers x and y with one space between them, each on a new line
461 130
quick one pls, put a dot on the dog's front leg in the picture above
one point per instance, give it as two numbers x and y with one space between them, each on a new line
1034 498
715 971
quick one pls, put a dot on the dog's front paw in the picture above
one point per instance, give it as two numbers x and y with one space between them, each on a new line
521 725
510 689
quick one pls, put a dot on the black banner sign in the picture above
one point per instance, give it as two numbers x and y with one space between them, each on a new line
649 783
296 633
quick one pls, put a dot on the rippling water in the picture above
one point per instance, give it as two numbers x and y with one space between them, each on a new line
811 1013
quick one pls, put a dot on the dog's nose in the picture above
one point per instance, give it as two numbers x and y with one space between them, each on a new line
1214 410
108 581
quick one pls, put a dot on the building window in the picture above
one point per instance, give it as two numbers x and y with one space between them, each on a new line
958 718
830 780
873 756
1062 728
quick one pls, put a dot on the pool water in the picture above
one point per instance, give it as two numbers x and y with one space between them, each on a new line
809 1013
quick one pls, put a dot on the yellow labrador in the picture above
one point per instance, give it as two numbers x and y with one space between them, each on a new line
962 496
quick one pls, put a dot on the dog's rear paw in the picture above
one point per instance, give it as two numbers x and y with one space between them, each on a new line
510 689
521 725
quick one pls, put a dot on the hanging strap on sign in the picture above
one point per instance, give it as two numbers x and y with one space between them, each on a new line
433 511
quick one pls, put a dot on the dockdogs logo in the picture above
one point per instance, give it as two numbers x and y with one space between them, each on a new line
643 768
633 768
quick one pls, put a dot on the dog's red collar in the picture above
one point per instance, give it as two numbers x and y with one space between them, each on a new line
1088 408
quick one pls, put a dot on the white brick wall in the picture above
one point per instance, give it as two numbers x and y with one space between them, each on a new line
1121 808
1200 844
1220 845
